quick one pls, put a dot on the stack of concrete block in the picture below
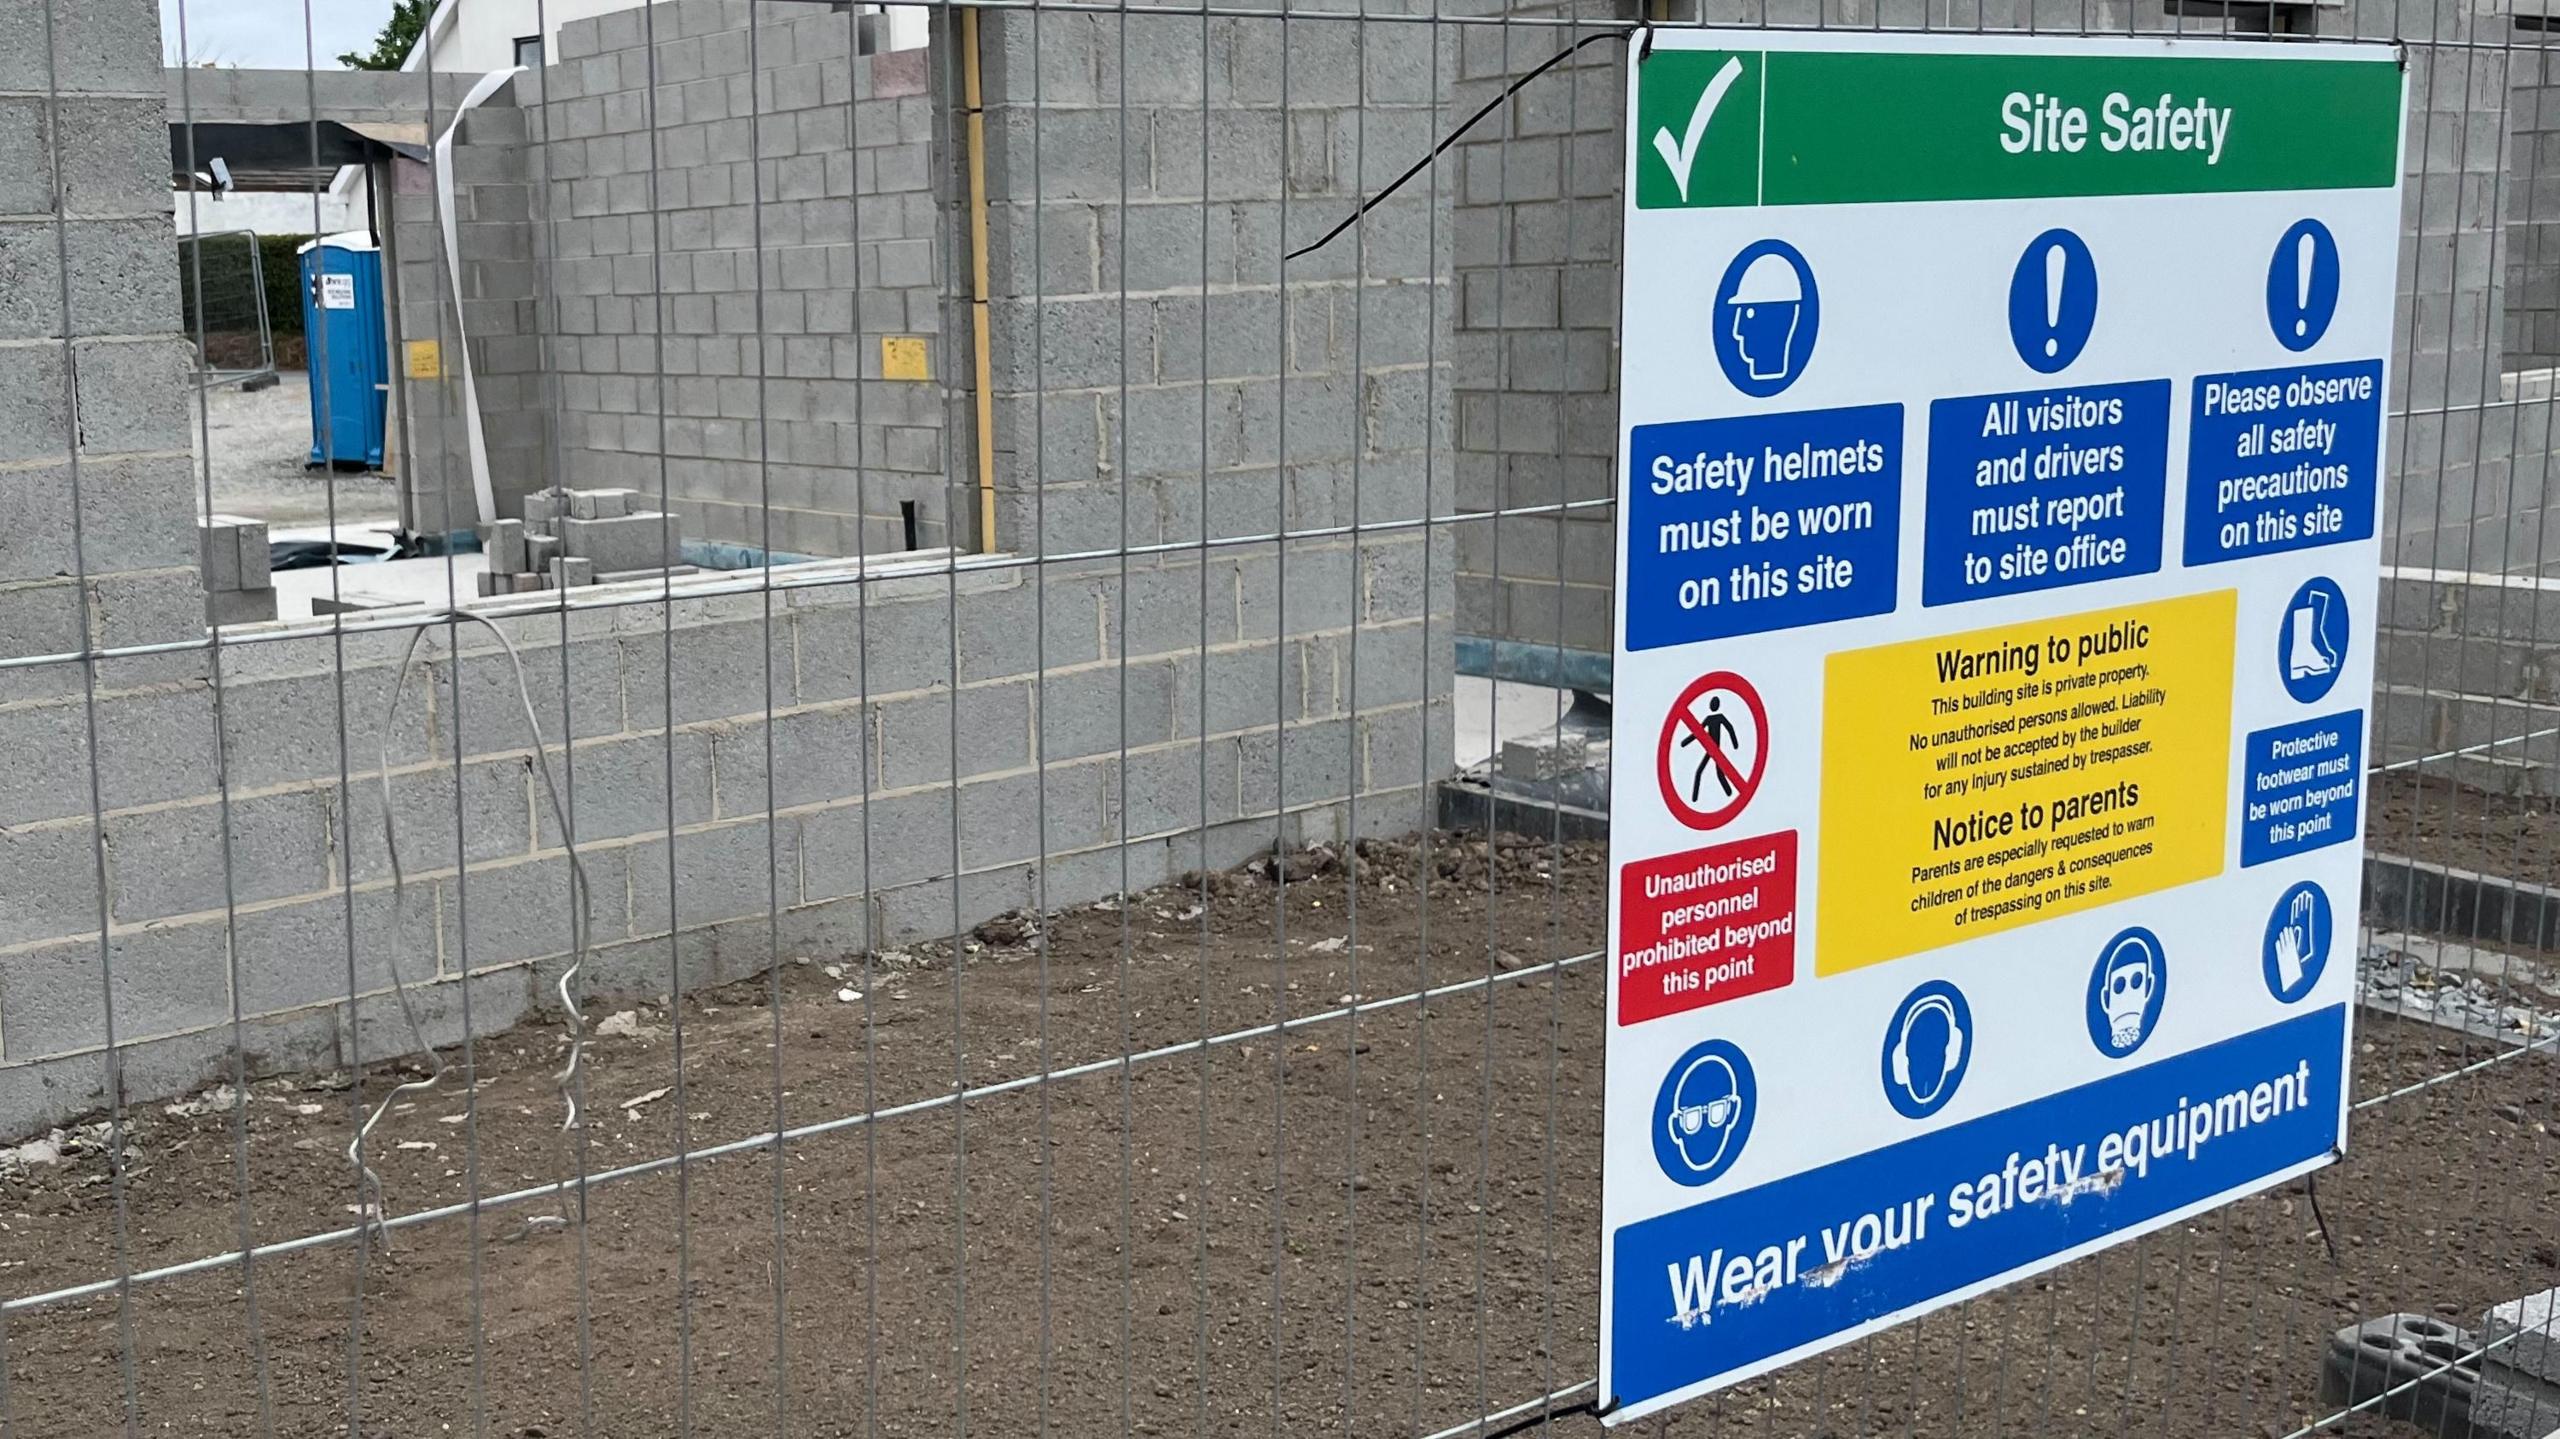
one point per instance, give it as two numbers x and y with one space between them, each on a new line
578 537
239 582
2519 1394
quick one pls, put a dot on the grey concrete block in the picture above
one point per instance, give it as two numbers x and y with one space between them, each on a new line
494 816
618 788
122 281
490 709
627 542
163 863
152 746
1103 709
509 913
286 728
218 544
601 504
35 411
36 1094
239 607
818 757
54 877
915 735
133 394
719 671
158 979
297 955
445 1013
111 45
40 619
540 550
1010 818
503 542
133 514
724 873
569 572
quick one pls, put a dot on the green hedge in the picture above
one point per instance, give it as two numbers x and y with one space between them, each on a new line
224 262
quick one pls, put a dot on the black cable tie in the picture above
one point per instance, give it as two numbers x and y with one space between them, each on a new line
1453 136
1644 43
2311 1186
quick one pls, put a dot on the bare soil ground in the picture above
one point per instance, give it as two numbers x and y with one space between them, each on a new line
1379 1227
2423 816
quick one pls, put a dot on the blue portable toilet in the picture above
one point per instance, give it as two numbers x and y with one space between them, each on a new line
342 327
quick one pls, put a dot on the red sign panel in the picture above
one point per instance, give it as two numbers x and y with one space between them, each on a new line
1706 925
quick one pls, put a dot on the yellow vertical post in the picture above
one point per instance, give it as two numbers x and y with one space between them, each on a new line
973 99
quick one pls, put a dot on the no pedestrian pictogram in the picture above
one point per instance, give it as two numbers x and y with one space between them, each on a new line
1713 750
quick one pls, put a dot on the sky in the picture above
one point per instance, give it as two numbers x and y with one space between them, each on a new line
268 34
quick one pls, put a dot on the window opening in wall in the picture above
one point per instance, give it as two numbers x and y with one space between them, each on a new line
907 513
529 51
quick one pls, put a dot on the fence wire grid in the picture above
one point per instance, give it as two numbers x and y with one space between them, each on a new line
925 886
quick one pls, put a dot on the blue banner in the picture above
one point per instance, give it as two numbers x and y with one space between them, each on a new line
1765 522
2044 488
2301 787
1705 1291
2283 460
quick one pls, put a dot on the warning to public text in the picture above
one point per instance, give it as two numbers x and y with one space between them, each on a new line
1982 781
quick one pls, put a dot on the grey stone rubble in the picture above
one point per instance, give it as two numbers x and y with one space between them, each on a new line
2475 991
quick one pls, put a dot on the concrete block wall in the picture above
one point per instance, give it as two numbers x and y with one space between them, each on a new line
861 718
656 336
1537 221
93 369
1157 711
1162 374
2468 679
2533 204
498 315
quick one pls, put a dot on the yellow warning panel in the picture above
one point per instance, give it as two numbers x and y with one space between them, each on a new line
1974 783
902 358
426 360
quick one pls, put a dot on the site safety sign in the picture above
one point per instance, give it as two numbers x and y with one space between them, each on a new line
2002 442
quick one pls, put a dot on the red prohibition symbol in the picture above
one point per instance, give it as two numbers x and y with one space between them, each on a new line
1713 751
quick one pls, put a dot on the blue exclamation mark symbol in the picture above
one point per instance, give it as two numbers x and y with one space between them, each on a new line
2053 301
2302 285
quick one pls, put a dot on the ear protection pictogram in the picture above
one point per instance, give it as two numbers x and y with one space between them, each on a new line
1902 1049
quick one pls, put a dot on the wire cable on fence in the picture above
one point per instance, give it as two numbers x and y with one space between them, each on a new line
813 1130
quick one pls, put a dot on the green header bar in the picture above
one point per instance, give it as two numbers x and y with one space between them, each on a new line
1832 127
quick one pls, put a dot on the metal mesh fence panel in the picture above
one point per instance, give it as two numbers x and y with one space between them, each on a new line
902 846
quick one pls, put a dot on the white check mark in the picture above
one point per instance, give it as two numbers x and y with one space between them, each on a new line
1680 155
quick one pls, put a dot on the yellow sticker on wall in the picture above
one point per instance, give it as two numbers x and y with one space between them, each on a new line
902 357
1977 782
426 360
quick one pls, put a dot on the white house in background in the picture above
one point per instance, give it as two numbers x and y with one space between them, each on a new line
341 208
478 36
